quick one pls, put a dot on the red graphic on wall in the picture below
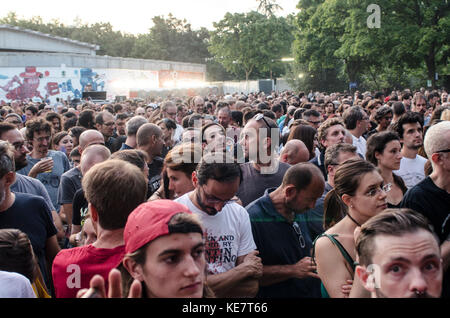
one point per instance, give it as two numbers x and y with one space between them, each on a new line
52 88
26 89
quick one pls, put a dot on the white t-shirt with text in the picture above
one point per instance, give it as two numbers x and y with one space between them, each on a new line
228 235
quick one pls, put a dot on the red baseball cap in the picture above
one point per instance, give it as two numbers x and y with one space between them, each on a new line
149 221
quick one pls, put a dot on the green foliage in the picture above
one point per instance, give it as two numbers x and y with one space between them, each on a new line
251 43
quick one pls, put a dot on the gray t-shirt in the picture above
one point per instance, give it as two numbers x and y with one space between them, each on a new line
50 180
26 184
254 183
70 184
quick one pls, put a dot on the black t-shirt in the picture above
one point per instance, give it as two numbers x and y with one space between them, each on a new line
79 207
434 203
31 215
154 175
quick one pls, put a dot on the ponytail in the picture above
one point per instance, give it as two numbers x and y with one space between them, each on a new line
334 209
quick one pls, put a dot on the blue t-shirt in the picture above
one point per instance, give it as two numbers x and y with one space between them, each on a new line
279 244
50 180
31 215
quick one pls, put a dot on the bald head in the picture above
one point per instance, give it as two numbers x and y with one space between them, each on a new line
302 175
90 137
294 152
146 132
92 155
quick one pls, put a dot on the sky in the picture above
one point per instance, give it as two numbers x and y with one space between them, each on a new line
135 16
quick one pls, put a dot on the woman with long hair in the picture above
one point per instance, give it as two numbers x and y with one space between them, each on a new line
384 151
359 194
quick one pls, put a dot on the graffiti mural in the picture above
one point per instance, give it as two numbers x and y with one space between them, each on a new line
49 83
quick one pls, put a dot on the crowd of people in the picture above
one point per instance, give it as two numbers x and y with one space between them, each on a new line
287 195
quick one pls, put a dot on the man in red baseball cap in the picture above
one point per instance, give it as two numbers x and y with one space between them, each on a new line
164 255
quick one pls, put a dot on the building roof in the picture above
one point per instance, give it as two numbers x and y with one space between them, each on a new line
43 36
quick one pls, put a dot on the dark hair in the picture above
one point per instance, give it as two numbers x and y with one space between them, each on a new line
202 132
393 222
5 127
382 112
6 158
407 118
58 137
37 125
192 118
86 119
377 143
32 109
16 254
311 112
121 116
351 116
346 181
169 123
298 113
218 166
69 123
237 117
52 115
398 108
262 106
305 133
277 108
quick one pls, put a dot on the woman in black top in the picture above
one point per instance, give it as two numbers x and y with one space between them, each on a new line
383 150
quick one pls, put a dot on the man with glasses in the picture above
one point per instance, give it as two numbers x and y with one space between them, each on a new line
260 141
282 237
43 164
104 123
312 117
25 184
357 123
233 265
431 197
169 110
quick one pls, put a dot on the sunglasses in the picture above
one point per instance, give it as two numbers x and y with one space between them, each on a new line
298 231
258 117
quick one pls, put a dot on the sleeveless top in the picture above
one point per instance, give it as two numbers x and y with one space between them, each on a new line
344 253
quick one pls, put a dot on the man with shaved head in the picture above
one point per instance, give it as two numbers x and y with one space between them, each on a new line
294 152
91 156
281 235
149 138
71 180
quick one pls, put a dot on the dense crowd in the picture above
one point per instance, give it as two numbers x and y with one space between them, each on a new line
291 195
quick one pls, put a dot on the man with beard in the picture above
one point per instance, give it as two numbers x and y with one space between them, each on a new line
410 129
399 256
28 213
104 123
233 265
25 184
43 164
282 237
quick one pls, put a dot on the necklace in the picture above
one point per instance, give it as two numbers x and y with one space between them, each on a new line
353 220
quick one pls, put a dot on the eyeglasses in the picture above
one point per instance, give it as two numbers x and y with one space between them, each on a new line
314 122
18 145
374 192
109 124
41 139
298 230
421 104
213 200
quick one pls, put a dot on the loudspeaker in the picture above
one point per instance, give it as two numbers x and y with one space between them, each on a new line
94 95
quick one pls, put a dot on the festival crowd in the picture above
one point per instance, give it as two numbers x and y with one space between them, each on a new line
287 195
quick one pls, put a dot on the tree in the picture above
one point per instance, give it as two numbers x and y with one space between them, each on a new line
268 7
250 42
